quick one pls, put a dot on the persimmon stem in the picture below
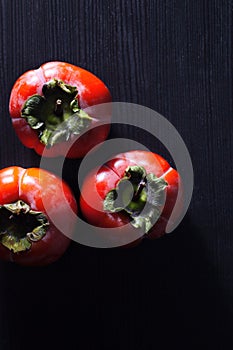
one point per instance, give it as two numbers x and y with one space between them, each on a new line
139 189
58 108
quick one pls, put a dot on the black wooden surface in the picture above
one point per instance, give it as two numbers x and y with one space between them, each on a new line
176 58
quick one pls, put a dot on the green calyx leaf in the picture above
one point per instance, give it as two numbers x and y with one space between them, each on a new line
73 125
14 244
20 226
56 116
140 195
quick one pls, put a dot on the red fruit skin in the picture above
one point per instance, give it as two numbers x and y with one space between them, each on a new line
35 187
91 91
99 182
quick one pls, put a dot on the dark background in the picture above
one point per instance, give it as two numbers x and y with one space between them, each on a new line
176 58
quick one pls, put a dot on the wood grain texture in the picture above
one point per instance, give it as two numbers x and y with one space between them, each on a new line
176 58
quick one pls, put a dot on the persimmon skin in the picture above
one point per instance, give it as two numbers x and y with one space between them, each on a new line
91 91
99 182
36 186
